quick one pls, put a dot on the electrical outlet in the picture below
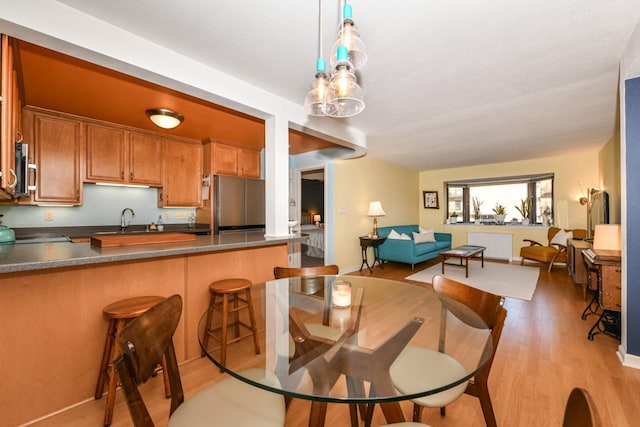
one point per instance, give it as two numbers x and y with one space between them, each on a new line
48 215
167 215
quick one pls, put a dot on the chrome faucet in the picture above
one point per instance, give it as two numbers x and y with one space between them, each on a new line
123 224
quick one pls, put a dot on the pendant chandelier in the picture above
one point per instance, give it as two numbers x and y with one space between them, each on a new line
339 94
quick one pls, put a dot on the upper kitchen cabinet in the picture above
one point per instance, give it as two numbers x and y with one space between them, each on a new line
115 155
57 142
182 174
10 115
236 160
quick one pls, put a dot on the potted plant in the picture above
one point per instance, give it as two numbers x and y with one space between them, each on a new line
525 210
500 211
454 218
476 209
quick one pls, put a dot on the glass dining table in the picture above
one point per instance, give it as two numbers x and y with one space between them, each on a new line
334 339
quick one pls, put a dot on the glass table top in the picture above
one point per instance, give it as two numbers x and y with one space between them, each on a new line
336 338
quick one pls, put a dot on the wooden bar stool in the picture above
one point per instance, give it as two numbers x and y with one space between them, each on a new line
119 314
239 292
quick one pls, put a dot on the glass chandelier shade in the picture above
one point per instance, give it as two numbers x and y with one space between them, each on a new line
349 36
315 99
344 97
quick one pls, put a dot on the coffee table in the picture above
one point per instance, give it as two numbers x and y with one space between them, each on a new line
463 253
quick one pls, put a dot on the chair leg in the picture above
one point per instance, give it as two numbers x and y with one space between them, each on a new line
113 376
223 331
480 389
417 413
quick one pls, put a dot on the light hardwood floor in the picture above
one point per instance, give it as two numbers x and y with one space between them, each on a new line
543 353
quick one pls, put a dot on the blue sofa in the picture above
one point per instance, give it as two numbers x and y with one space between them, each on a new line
408 251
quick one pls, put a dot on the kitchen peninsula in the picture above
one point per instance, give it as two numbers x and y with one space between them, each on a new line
52 296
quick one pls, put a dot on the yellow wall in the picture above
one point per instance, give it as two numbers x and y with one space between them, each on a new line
359 181
609 163
573 174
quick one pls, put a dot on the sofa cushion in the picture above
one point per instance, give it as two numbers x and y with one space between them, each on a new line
424 237
441 245
393 234
424 248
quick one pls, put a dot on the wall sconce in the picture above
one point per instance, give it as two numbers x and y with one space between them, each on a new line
375 210
316 219
166 119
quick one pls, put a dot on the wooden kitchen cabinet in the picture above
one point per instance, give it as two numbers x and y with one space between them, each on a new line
235 160
57 142
116 155
10 116
182 174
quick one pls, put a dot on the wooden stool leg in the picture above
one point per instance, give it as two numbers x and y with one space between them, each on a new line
223 331
113 376
212 301
252 319
165 376
236 314
108 344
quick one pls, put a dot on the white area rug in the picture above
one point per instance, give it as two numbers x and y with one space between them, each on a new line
507 280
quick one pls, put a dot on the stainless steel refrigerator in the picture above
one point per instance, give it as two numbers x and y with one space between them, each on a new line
239 203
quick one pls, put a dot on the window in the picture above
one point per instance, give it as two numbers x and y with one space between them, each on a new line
462 196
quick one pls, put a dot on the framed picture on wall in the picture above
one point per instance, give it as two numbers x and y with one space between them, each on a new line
430 199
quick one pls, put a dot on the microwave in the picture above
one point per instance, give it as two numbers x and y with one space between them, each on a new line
23 167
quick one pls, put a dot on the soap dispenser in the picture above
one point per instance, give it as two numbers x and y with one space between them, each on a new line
160 223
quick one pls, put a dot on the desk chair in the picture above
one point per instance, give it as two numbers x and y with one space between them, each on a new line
228 402
581 411
421 365
554 251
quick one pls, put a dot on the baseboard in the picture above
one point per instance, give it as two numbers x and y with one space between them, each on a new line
629 360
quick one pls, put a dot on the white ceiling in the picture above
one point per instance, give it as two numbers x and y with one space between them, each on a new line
447 83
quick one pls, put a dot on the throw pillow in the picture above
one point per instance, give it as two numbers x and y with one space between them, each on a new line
404 237
561 237
393 234
423 237
428 230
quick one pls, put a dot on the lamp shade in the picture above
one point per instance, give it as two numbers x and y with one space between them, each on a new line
166 119
316 218
607 236
375 209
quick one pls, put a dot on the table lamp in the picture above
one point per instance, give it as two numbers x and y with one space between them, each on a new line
375 210
607 236
316 219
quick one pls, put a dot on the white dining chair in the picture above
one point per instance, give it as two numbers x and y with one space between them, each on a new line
227 402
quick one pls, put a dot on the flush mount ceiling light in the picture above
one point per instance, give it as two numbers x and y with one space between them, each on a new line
340 95
164 118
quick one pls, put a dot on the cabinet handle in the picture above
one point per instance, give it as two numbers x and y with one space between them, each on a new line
34 168
130 176
618 270
121 174
15 179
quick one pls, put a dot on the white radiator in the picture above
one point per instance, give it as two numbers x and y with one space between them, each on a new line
499 245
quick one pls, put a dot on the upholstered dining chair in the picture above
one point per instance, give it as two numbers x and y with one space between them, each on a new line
581 410
418 365
227 402
556 248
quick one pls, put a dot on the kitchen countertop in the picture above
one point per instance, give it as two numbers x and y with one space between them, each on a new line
38 256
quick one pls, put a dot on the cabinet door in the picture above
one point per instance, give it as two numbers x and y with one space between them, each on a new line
105 154
225 159
250 161
10 111
57 148
145 159
182 175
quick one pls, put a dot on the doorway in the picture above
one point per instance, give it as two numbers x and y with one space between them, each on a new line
311 185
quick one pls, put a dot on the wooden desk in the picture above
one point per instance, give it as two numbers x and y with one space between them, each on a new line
607 302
